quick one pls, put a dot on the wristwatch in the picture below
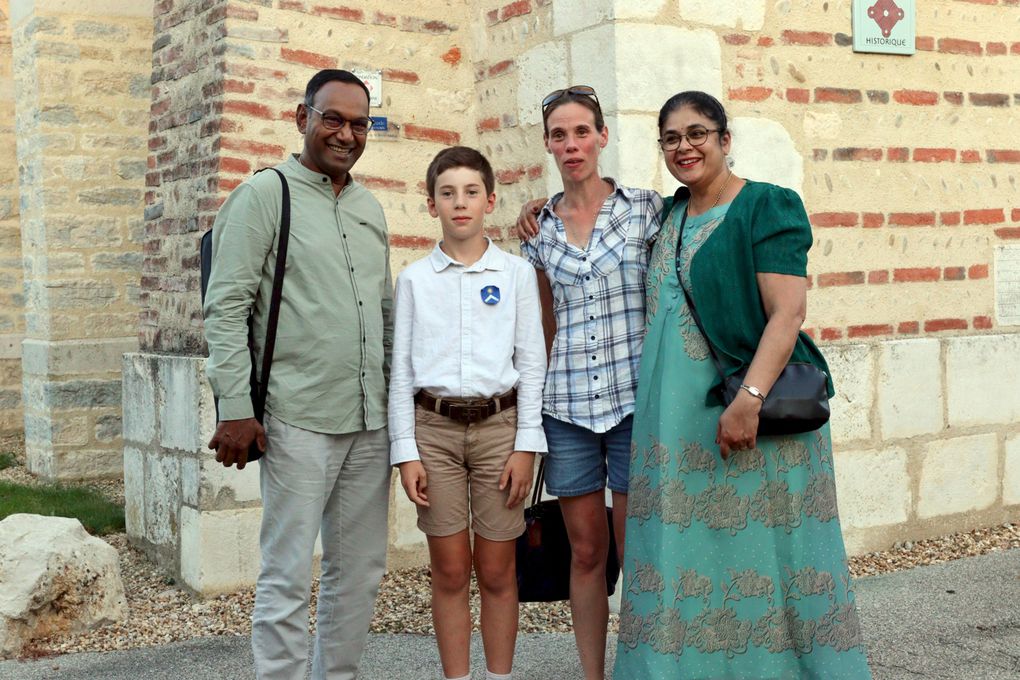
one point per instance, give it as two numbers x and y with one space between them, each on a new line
753 391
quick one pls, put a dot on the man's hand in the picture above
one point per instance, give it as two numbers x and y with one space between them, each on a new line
518 473
415 481
527 222
233 438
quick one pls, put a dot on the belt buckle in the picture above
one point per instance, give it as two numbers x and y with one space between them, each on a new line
470 414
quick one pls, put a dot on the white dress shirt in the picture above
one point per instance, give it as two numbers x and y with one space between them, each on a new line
471 332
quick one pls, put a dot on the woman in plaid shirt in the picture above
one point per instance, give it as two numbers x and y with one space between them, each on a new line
591 251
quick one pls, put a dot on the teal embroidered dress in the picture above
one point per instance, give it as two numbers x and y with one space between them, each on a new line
732 569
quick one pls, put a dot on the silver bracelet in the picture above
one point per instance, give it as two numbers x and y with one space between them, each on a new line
753 391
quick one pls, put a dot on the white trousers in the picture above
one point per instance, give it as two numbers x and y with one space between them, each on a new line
339 484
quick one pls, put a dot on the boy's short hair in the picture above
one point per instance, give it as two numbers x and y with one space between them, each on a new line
459 157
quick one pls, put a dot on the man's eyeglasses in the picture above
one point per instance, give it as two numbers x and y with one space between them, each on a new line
331 121
696 136
583 90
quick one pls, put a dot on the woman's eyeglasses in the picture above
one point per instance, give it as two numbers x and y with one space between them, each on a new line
696 136
583 90
331 121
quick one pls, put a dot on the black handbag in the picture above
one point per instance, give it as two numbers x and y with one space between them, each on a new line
799 399
259 389
543 551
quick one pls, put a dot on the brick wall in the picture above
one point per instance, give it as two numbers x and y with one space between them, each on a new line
908 164
227 79
12 301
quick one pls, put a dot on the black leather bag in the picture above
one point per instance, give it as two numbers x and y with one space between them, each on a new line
799 399
543 551
258 389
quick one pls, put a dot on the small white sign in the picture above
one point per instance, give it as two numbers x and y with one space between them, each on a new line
373 81
1007 285
884 26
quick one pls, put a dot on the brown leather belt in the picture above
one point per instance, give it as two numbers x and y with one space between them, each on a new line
466 410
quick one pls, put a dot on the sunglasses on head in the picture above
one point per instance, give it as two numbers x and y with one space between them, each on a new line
583 90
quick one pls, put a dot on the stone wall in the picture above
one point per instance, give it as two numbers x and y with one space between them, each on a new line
82 108
12 301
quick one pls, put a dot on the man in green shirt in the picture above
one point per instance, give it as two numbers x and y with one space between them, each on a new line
326 464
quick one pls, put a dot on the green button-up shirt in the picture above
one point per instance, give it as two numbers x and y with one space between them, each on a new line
335 332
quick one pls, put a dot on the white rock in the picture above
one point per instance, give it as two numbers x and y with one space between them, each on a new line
54 579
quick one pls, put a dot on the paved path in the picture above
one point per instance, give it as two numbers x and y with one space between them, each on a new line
954 621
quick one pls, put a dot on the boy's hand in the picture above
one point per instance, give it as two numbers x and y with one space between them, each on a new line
414 481
527 222
518 473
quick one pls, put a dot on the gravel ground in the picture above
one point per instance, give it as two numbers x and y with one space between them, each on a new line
160 612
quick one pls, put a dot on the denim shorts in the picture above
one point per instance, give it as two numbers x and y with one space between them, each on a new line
579 460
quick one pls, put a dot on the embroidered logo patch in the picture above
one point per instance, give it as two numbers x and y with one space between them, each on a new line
490 295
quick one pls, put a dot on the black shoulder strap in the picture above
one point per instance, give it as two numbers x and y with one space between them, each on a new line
274 301
680 280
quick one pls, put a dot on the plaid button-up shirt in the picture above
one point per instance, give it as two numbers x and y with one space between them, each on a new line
599 303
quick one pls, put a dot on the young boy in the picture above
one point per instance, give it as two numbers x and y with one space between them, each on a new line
465 409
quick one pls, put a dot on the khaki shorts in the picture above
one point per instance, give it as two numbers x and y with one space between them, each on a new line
458 455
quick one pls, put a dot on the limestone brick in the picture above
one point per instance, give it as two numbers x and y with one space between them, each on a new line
958 475
1011 478
763 150
873 487
648 63
853 370
910 393
219 550
540 71
981 379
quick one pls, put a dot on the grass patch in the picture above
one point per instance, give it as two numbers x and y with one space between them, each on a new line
98 515
7 460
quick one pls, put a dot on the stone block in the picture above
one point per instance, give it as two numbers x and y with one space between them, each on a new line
959 475
1011 476
404 531
72 357
872 487
748 15
981 379
638 66
134 491
539 71
220 549
853 370
81 393
574 16
191 480
910 394
162 499
138 378
763 150
107 428
177 397
224 488
632 141
87 463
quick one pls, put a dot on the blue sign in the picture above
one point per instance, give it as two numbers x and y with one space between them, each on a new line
380 123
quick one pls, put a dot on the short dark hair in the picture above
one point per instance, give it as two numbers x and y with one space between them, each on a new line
702 102
328 75
459 157
582 99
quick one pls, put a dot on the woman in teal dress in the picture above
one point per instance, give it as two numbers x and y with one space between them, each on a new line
734 565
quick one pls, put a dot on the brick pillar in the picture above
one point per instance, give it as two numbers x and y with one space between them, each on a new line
12 301
81 87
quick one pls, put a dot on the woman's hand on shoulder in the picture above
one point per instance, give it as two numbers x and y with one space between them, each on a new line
527 222
738 425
